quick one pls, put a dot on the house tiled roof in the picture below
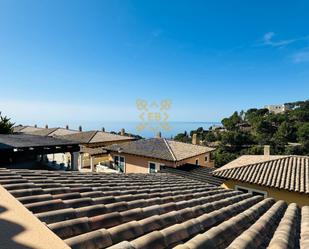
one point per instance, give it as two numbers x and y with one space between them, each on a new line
195 172
53 132
283 172
87 137
18 128
25 129
160 148
135 211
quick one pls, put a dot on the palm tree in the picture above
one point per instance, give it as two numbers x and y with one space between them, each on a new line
6 126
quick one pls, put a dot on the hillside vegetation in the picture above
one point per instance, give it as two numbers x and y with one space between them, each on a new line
247 133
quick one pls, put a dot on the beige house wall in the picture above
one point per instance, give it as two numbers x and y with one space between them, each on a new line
99 158
201 160
139 164
277 194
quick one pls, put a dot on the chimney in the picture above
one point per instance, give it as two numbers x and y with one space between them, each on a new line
35 126
122 132
103 129
158 134
67 127
266 150
195 139
46 126
80 128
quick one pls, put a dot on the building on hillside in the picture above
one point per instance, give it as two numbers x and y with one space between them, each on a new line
276 109
149 155
92 146
281 177
62 210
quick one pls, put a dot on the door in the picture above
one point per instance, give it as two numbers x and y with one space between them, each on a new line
121 164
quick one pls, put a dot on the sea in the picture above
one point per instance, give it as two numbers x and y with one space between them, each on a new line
174 127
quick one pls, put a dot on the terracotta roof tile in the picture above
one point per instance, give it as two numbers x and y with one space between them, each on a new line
156 211
88 137
284 172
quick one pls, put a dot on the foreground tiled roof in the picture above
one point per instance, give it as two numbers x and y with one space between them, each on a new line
138 211
191 171
283 172
87 137
161 148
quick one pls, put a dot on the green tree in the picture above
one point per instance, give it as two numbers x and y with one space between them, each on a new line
6 126
222 156
303 135
231 122
236 138
286 133
264 131
210 137
182 137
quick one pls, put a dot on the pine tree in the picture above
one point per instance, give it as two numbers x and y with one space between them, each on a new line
6 126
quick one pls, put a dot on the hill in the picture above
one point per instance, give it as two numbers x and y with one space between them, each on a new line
246 132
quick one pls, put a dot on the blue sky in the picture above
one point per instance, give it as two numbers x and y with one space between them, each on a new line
71 61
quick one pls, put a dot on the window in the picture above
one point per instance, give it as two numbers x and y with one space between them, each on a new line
119 162
152 168
196 162
206 158
211 156
251 191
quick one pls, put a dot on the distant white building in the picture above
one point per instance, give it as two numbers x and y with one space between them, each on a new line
278 108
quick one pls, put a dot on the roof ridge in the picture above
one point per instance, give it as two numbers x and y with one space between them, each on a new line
95 132
52 130
197 145
24 127
170 149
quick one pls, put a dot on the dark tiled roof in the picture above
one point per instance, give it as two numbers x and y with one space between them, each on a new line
93 151
191 171
160 148
87 137
154 211
283 172
25 140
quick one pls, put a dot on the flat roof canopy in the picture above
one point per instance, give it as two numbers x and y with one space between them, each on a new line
15 143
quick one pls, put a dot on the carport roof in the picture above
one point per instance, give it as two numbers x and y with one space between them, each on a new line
12 141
